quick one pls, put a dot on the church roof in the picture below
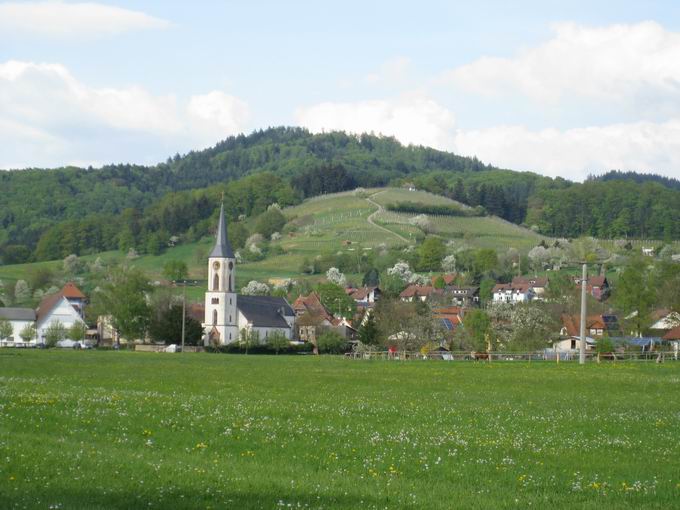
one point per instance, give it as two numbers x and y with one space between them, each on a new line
265 311
222 247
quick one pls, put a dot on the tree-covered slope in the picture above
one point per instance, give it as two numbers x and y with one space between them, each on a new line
50 213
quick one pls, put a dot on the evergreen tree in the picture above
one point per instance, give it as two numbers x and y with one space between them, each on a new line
368 331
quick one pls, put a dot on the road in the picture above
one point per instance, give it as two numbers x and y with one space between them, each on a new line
378 211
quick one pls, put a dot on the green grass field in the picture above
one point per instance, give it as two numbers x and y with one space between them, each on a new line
133 430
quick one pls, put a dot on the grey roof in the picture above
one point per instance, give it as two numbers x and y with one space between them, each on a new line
222 247
265 311
17 314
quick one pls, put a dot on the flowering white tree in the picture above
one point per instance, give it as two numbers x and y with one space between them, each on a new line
254 239
21 291
255 288
422 222
539 257
275 236
449 264
334 275
401 270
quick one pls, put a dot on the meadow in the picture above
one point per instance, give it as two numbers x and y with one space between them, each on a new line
98 429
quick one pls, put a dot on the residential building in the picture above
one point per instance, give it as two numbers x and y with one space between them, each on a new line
513 293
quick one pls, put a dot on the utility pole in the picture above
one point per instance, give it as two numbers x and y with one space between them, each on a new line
582 347
183 284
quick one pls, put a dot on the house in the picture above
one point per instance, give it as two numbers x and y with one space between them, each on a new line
18 318
419 293
226 313
313 317
449 317
597 286
463 296
673 336
664 320
364 296
648 252
66 306
596 325
538 284
513 293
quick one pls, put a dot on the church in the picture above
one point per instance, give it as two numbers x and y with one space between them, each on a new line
227 314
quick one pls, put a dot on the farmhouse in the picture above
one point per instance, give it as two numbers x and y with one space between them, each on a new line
66 306
596 286
419 293
538 284
18 318
513 293
364 297
227 313
313 318
596 325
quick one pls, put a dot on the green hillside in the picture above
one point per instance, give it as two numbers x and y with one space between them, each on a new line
342 222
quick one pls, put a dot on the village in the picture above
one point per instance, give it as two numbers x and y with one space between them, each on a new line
429 319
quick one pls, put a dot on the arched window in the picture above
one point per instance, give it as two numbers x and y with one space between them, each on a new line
216 282
214 317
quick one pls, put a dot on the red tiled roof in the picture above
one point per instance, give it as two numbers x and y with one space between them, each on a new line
414 290
673 334
71 291
572 323
540 281
520 287
447 310
360 293
312 304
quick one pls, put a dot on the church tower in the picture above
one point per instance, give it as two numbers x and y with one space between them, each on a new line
221 315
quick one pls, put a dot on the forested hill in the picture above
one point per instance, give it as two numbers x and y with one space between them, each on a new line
52 213
617 175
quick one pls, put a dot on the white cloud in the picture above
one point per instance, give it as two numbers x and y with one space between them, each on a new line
60 19
411 118
392 71
218 112
574 153
50 118
620 63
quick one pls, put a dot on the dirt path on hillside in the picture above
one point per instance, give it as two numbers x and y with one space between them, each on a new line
378 211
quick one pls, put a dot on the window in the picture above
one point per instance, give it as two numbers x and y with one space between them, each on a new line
215 301
229 300
230 319
214 317
230 289
216 282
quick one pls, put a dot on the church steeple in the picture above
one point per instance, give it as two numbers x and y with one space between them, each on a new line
222 247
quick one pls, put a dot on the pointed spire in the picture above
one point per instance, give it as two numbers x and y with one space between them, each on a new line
222 247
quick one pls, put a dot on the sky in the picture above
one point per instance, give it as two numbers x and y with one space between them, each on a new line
559 88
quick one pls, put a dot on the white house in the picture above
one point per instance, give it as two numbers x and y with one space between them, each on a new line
66 306
513 293
227 313
57 307
18 318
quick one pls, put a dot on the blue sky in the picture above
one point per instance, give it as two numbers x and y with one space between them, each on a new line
560 88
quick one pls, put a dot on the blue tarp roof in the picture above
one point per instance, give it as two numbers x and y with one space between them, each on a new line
644 341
